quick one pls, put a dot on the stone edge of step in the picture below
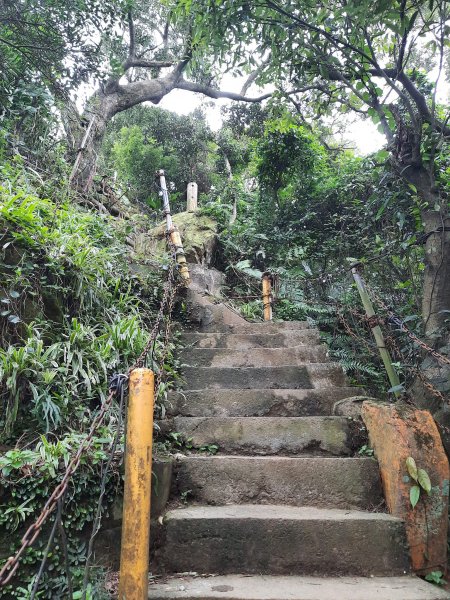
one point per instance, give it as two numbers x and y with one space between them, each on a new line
275 587
278 512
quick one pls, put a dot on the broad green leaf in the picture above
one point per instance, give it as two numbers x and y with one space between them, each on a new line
424 480
412 468
414 495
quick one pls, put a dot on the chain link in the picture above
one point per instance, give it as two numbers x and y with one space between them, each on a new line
400 323
11 565
169 291
170 288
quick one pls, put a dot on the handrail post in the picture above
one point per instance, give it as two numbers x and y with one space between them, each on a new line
134 556
267 295
172 230
376 330
191 196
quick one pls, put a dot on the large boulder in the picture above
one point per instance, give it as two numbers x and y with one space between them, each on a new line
397 432
198 234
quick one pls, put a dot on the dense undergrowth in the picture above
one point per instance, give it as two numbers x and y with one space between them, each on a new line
307 217
74 312
76 307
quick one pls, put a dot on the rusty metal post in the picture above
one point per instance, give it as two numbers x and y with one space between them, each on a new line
133 581
191 196
376 330
172 230
267 296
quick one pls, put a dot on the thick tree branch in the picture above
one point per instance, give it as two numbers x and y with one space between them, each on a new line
402 45
131 32
252 77
147 64
165 36
206 90
138 61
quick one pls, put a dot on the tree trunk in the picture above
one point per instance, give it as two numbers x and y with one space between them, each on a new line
101 108
89 139
436 281
436 284
233 216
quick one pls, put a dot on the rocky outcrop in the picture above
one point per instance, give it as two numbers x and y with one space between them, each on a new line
198 233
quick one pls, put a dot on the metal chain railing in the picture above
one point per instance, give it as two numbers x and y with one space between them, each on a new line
399 322
10 567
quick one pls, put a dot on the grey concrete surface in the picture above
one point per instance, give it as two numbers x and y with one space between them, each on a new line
269 435
263 587
304 377
236 341
283 540
321 482
256 357
256 402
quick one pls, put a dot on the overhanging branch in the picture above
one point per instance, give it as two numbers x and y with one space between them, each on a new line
206 90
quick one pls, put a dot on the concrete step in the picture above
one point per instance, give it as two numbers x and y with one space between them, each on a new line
283 540
257 328
315 375
257 402
279 587
320 482
312 436
236 341
256 357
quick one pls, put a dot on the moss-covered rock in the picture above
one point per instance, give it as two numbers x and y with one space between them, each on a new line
198 233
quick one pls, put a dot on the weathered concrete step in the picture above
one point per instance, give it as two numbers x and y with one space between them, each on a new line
313 436
320 482
236 341
279 587
257 357
257 402
283 540
253 328
315 375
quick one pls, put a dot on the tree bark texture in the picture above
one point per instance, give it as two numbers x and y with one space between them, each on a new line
436 284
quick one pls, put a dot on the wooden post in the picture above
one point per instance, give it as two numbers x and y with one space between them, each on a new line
376 330
133 581
192 193
173 231
267 296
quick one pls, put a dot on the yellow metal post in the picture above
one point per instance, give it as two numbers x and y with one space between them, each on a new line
267 296
133 582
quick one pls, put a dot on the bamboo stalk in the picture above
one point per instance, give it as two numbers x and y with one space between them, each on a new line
376 330
173 231
267 296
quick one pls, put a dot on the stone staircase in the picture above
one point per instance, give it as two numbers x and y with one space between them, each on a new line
284 510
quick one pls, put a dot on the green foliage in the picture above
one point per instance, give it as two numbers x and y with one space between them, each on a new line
28 477
74 313
62 265
148 139
366 451
436 577
47 49
332 206
421 479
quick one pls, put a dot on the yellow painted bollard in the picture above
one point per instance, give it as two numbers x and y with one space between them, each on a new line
267 296
133 581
